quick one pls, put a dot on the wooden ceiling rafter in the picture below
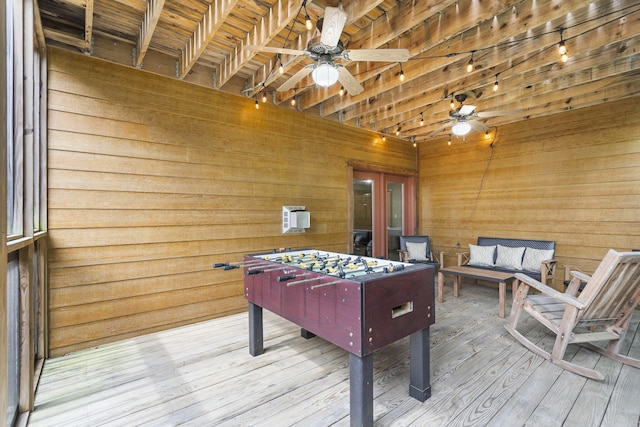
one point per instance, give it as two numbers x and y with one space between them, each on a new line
589 42
147 28
434 78
279 17
88 25
438 57
207 28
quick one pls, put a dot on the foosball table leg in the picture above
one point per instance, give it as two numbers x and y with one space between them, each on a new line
419 375
361 390
256 344
306 334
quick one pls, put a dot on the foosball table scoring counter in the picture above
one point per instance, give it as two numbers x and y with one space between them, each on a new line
360 304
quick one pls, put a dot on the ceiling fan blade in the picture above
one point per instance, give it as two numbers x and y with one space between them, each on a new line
477 126
332 25
289 84
465 110
499 113
438 130
281 50
383 55
349 82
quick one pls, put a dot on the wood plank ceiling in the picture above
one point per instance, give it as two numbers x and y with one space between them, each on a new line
512 42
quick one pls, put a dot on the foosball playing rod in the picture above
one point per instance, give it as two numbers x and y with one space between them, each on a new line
299 282
232 265
267 270
322 285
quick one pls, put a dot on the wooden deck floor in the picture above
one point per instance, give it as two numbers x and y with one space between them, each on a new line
203 375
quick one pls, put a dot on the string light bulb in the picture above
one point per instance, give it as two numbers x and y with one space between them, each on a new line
341 90
470 64
495 85
398 131
293 99
414 144
257 104
384 138
453 104
449 141
421 119
562 49
264 96
307 20
281 67
487 135
401 74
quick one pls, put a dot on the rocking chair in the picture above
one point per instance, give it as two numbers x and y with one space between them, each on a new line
601 312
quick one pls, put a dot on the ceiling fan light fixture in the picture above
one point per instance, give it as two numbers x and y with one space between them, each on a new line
325 74
461 128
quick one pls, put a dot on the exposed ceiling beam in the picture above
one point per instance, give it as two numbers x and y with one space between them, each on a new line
88 25
37 24
212 20
270 25
437 68
147 27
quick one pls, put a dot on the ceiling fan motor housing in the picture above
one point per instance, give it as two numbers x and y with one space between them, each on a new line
319 48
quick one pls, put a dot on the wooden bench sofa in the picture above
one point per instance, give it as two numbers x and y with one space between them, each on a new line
535 258
498 260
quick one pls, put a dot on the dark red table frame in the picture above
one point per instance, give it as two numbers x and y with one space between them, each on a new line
360 315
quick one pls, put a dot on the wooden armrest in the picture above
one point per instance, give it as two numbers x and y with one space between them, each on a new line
575 279
463 258
570 269
547 290
580 275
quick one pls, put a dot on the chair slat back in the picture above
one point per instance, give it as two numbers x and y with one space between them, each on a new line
614 289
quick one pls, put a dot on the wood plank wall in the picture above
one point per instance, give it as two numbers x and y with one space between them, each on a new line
573 178
152 180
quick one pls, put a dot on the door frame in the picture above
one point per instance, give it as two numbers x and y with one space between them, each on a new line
379 226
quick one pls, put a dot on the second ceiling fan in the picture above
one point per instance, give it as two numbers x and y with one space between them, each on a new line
325 47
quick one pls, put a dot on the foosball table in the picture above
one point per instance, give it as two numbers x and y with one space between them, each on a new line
360 304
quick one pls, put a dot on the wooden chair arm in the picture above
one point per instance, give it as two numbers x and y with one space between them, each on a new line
547 290
580 275
575 278
548 270
463 258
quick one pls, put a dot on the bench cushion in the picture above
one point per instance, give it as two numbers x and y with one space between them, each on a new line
482 255
510 258
546 250
533 258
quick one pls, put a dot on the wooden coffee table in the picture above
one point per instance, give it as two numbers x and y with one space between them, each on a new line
481 274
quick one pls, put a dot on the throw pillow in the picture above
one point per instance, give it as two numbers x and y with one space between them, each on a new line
417 251
533 259
510 258
481 255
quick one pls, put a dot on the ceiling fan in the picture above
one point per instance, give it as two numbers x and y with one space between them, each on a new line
463 119
325 47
